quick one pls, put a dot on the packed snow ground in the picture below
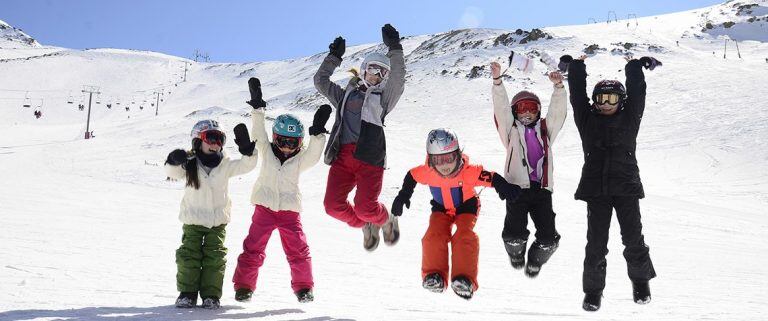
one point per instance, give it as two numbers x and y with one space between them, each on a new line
90 226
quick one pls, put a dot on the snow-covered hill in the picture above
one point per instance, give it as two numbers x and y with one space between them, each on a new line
91 228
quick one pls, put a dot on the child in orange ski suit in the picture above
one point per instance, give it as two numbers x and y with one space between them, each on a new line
452 181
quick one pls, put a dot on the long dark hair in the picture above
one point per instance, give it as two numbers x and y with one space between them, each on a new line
191 165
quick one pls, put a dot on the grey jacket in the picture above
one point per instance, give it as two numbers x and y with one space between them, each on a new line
379 101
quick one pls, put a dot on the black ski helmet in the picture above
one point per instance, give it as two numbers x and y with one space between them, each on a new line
606 86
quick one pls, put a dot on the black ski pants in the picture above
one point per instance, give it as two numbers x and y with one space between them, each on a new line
599 212
538 202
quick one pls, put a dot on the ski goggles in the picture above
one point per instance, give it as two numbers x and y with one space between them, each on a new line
611 99
527 106
443 159
213 137
375 69
286 141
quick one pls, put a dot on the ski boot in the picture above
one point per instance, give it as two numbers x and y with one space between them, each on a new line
391 231
370 236
434 282
211 303
516 251
641 292
305 295
592 301
186 300
462 286
538 254
243 295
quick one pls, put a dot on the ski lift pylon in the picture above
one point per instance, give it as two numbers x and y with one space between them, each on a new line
27 102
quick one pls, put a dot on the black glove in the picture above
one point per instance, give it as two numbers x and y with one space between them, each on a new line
650 63
254 85
176 157
505 189
338 47
397 205
565 60
243 140
321 117
467 207
391 37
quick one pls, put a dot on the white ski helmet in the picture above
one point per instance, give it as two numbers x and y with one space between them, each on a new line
204 125
442 141
376 59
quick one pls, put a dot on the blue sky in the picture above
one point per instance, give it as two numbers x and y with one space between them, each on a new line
243 31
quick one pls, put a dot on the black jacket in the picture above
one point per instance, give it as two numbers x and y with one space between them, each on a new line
609 142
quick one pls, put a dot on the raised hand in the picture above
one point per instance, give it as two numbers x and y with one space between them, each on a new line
176 157
338 47
243 140
321 118
495 70
555 77
391 37
650 63
254 86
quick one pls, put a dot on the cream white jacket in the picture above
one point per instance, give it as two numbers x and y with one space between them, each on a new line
278 184
512 134
210 205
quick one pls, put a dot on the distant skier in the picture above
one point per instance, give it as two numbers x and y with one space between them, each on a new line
528 140
610 178
205 210
452 181
356 149
277 198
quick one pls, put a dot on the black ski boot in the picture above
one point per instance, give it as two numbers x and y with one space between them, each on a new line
243 295
305 295
592 301
538 254
211 303
516 251
434 282
462 287
186 300
641 292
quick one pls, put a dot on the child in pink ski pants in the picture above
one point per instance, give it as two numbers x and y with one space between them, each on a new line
277 197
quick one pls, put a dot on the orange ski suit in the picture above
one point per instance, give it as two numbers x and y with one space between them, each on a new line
448 194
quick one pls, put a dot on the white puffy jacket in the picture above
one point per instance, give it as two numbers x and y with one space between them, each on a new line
512 134
278 184
210 205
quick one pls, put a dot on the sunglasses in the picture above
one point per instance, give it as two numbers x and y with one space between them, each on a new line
374 69
286 141
527 106
213 137
611 99
443 158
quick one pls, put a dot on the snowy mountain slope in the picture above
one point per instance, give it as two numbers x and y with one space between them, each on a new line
15 38
91 225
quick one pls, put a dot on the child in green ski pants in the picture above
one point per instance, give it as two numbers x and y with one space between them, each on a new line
205 209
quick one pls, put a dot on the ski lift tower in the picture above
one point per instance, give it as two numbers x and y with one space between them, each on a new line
90 90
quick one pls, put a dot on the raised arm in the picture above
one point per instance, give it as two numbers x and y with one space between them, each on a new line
242 165
635 103
577 86
502 112
396 81
258 130
558 106
317 133
312 154
322 78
